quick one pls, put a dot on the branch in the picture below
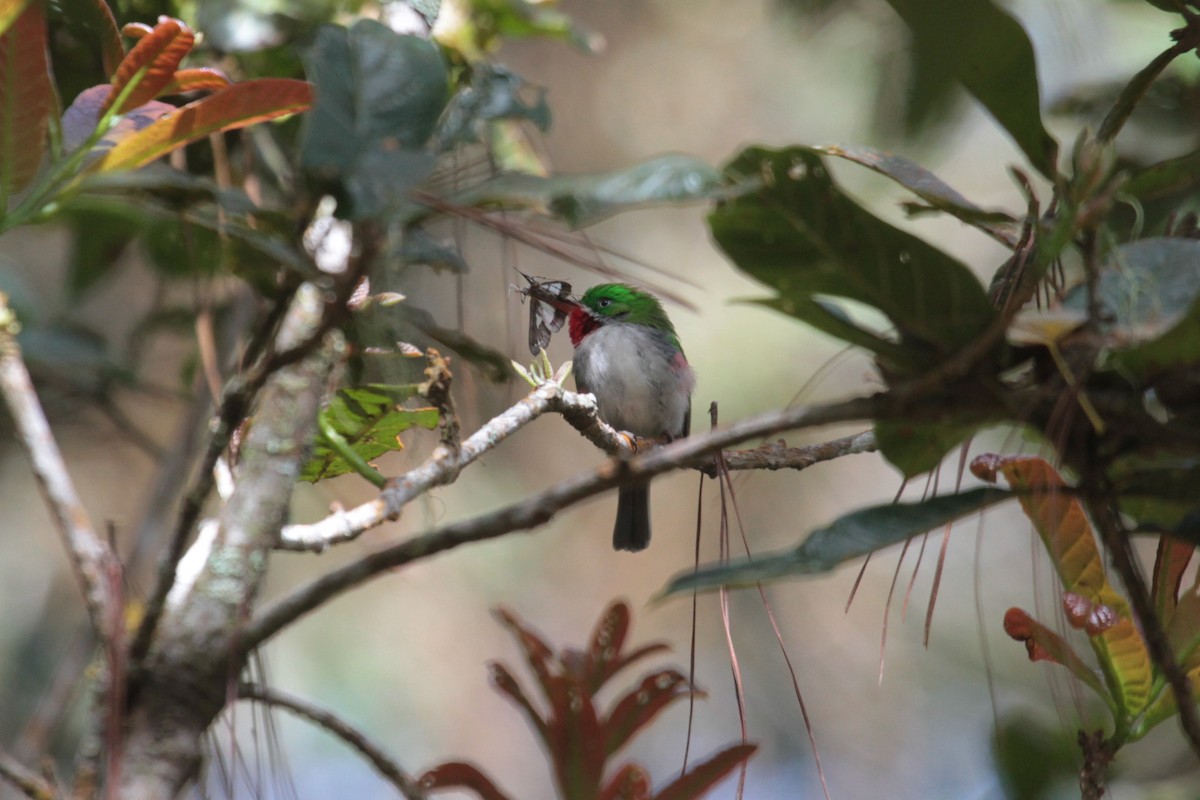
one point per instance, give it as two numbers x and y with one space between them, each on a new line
92 559
25 779
447 462
541 507
386 767
579 410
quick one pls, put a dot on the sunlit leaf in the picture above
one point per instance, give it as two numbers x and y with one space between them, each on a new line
240 105
151 65
852 535
370 419
988 51
196 80
794 230
26 97
707 774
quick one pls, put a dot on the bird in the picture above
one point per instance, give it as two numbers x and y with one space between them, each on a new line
628 356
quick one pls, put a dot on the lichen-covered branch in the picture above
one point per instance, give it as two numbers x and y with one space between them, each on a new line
91 558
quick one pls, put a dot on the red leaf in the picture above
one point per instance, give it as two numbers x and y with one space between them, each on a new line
630 783
576 738
25 97
706 775
637 708
204 79
459 775
1043 644
537 652
151 64
1169 564
236 107
80 118
607 640
503 680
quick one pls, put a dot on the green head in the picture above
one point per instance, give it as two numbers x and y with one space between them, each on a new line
621 303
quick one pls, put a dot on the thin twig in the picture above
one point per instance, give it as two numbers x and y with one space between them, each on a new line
91 557
385 765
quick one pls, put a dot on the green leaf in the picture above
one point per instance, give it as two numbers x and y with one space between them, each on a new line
583 199
916 447
179 248
25 100
418 246
1150 291
1165 177
379 97
855 534
798 233
924 184
100 233
494 93
371 420
987 50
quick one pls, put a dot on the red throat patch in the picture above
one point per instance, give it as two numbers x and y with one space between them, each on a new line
581 324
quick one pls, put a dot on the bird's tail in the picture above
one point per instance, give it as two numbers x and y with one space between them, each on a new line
632 531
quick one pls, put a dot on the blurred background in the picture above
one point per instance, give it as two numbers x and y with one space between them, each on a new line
404 656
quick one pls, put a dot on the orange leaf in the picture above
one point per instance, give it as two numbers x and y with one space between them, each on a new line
197 80
9 11
151 63
236 107
25 100
136 30
1067 534
1043 644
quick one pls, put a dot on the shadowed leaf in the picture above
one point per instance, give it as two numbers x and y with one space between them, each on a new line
924 184
236 107
1170 562
79 120
25 97
987 50
855 534
916 447
583 199
798 233
1165 177
706 774
150 65
9 11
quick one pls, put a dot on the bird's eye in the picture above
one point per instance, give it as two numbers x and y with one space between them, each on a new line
604 302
